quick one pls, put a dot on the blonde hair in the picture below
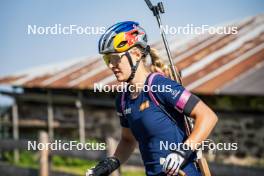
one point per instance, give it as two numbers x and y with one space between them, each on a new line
157 63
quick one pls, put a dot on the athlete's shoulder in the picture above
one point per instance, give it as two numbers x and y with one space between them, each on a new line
160 79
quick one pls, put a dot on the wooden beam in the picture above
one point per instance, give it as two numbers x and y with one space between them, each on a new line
44 155
9 144
50 116
37 123
111 147
15 128
1 129
7 169
62 99
81 118
6 118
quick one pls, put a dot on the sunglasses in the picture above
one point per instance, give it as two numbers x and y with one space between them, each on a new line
115 58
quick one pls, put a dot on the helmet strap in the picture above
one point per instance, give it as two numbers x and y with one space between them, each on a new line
133 67
146 51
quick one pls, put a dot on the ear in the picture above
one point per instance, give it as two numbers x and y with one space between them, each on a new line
136 52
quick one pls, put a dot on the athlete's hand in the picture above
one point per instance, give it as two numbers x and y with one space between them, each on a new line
175 160
104 167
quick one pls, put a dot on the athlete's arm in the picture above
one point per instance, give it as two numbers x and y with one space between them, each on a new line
185 102
205 120
124 149
126 145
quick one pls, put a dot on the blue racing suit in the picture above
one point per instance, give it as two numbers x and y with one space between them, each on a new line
154 131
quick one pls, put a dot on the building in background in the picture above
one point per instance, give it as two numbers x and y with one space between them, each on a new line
225 70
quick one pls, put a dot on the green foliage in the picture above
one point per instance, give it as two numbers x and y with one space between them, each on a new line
133 173
8 156
76 166
68 161
234 102
257 103
26 159
224 103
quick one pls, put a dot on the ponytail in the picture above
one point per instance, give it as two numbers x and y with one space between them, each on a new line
157 64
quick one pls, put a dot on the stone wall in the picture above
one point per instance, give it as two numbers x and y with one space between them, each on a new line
244 128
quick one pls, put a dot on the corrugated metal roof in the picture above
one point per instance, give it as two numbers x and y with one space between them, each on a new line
210 64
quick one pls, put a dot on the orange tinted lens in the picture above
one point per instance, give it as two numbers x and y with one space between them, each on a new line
106 59
114 57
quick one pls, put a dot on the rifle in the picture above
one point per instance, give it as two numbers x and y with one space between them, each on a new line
157 9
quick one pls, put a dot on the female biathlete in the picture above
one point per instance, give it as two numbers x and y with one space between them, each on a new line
146 116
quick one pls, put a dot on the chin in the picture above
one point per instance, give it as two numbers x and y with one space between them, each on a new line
120 79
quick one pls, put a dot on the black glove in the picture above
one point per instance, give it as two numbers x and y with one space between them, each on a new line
184 153
106 166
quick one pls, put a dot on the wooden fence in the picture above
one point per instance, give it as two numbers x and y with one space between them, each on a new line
135 160
45 156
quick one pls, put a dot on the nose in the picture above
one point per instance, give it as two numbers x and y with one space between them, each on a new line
110 65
